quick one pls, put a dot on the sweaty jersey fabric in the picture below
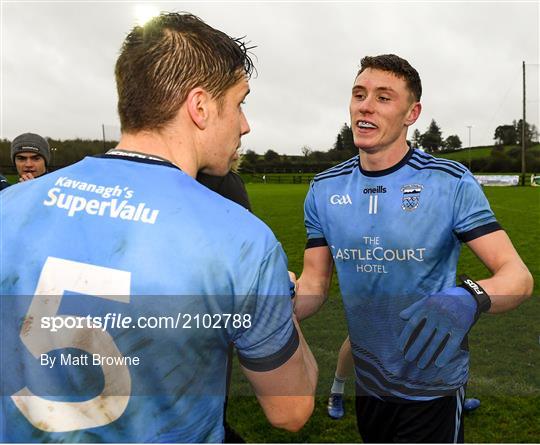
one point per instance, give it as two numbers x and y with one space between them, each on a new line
114 237
395 238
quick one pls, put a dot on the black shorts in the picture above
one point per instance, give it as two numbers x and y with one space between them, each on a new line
435 421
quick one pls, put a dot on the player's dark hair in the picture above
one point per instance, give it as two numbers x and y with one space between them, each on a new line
396 65
163 60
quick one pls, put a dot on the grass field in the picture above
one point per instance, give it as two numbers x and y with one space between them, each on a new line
505 349
463 155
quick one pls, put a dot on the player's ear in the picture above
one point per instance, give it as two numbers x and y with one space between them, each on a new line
414 113
198 107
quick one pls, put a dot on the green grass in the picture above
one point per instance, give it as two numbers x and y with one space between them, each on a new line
480 153
463 155
505 348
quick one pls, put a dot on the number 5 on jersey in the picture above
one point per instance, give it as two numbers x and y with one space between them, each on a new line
58 276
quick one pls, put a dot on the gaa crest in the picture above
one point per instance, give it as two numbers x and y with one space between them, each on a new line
410 200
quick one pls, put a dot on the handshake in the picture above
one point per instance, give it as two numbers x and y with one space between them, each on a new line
437 324
292 284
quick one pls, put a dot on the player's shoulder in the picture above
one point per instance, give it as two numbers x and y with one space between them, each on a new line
446 168
338 171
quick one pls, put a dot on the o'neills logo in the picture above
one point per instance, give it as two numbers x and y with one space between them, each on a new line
378 189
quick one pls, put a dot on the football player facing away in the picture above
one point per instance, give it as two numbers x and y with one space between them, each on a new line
116 324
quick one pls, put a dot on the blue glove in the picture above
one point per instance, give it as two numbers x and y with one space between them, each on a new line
437 325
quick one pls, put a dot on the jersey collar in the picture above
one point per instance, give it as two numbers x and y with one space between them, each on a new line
386 171
138 157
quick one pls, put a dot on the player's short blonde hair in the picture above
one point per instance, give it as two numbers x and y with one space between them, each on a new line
163 60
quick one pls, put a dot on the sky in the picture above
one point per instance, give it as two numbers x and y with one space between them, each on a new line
57 64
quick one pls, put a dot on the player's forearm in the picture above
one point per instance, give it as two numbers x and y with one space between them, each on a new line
301 409
510 286
306 381
287 412
310 296
310 364
313 284
287 395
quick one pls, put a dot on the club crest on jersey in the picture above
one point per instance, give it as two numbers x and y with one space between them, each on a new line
411 196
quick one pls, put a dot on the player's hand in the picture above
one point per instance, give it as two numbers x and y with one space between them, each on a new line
292 284
26 177
436 326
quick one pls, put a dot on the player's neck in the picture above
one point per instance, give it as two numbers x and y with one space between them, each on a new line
164 145
382 158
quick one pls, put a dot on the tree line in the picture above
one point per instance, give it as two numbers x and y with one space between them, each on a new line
512 134
431 140
63 152
66 152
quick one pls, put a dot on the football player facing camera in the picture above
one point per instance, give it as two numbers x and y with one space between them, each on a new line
392 220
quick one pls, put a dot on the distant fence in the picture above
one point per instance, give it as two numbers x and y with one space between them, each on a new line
276 178
291 178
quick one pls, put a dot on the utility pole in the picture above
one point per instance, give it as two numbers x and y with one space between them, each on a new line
53 157
469 127
523 133
103 132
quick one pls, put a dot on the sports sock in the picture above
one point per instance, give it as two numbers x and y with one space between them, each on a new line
338 387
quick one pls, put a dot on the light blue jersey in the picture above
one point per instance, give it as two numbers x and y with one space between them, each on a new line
395 238
123 281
